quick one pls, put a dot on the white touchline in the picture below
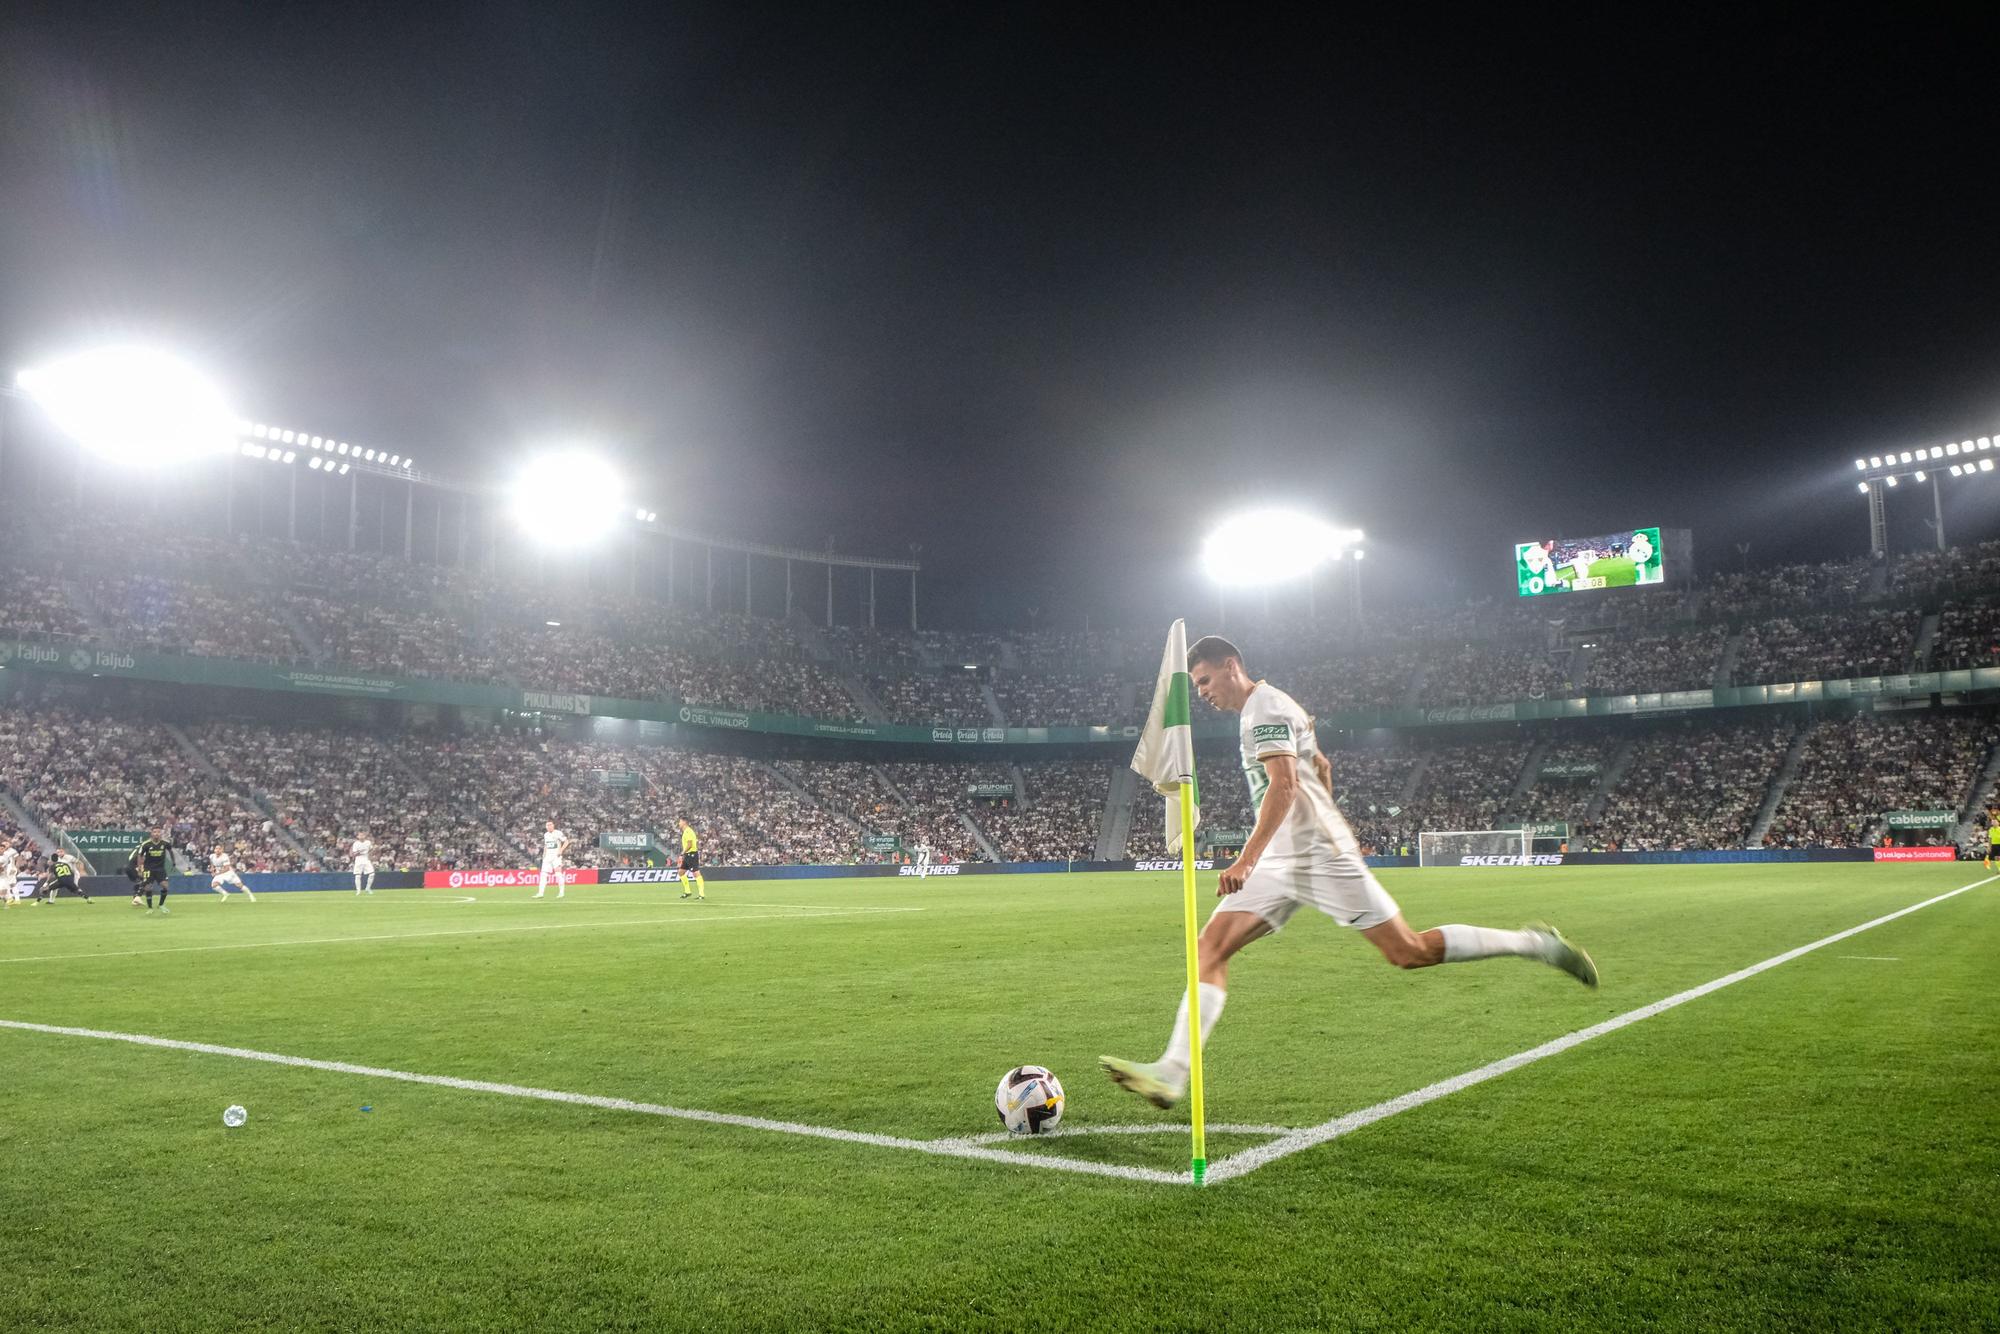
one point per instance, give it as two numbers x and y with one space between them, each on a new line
939 1148
1249 1160
675 921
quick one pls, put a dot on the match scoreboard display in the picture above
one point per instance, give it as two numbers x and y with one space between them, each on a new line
1638 558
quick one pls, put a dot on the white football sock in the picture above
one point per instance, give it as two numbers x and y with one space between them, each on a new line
1463 943
1178 1052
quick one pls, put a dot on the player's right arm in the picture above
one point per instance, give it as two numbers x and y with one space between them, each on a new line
1283 772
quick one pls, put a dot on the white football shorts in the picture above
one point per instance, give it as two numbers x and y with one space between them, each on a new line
363 866
551 862
1338 884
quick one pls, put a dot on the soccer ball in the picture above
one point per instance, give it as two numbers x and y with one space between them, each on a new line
234 1116
1029 1100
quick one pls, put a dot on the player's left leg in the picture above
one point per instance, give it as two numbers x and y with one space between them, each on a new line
1229 929
215 883
163 896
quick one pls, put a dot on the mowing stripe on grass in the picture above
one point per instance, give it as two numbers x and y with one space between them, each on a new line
1249 1160
938 1148
456 931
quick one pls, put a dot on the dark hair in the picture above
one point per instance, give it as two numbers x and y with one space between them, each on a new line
1212 649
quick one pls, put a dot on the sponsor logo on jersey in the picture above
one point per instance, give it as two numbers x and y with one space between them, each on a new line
927 871
1511 859
1201 864
1271 732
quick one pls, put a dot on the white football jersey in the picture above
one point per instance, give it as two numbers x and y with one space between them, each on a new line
552 842
1274 724
9 857
221 863
362 847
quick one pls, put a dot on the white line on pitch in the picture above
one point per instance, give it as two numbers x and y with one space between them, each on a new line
938 1148
457 931
1249 1160
1077 1132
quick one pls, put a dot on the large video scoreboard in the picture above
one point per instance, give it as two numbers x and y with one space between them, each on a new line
1635 558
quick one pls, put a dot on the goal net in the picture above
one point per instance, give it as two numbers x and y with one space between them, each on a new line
1474 847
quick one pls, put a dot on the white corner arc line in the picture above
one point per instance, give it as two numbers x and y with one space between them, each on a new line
1249 1160
676 921
938 1148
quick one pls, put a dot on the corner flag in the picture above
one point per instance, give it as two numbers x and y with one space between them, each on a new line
1165 758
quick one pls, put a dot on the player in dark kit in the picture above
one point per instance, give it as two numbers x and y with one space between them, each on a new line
62 876
150 861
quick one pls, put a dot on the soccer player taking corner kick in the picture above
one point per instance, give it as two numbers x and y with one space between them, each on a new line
1302 852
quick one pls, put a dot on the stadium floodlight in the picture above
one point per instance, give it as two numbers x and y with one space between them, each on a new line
1861 465
1986 465
343 447
395 459
567 497
1906 456
1986 442
260 430
553 625
1920 474
343 470
1360 554
1890 479
133 405
1269 546
1862 487
1874 461
290 455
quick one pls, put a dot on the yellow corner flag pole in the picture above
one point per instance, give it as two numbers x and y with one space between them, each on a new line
1198 1164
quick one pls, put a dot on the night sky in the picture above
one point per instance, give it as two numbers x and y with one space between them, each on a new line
1045 297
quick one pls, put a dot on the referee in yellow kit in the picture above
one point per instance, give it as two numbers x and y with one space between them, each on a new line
691 863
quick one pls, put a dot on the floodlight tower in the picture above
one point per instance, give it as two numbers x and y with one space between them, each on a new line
1880 474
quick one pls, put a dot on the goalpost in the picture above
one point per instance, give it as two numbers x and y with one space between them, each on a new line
1451 847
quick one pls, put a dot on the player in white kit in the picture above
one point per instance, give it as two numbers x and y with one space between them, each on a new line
923 858
364 864
554 843
222 874
10 872
1302 853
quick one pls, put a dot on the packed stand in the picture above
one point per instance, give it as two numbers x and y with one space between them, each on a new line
1855 770
1349 682
1067 700
1465 785
1968 635
1827 584
924 700
1480 674
1693 785
1646 663
937 795
85 770
1225 805
1060 817
34 602
177 616
1863 642
1567 777
331 784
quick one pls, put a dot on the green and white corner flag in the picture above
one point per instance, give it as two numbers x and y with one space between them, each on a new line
1165 757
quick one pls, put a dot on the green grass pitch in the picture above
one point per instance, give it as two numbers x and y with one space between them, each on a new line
1815 1147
